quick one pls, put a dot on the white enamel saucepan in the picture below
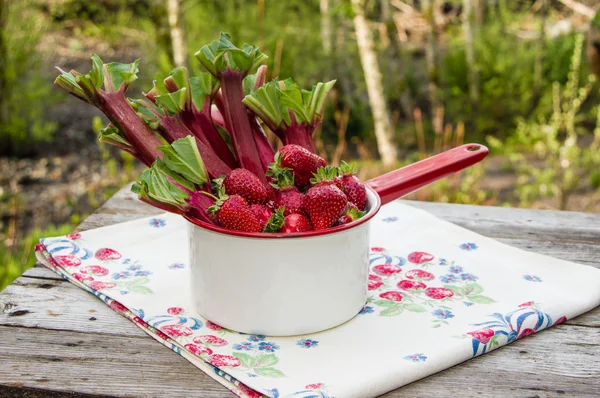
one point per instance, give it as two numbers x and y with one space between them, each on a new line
291 284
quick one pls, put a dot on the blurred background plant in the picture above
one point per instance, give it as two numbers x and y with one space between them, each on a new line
414 77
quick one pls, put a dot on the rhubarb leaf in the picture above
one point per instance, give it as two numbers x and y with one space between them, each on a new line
155 186
182 156
316 103
173 176
112 135
291 96
173 102
266 103
147 111
223 55
68 82
202 86
121 74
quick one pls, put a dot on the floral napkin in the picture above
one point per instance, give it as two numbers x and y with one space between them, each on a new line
439 295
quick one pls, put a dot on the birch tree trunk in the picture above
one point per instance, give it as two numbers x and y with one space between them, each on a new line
4 95
177 41
428 10
467 23
368 59
326 31
539 58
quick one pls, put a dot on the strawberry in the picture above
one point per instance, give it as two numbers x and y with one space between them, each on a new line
287 195
302 163
246 184
233 212
350 214
353 188
296 223
262 213
324 202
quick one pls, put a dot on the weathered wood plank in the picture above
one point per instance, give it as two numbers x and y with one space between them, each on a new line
58 305
128 366
92 363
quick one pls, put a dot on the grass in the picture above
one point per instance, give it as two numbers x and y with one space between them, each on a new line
14 261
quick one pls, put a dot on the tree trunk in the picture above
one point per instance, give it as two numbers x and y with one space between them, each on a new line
368 58
326 31
539 58
467 22
4 95
428 10
177 40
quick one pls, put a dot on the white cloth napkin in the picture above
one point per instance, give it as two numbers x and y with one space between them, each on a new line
439 295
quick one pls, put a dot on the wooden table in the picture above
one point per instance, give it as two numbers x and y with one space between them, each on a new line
58 341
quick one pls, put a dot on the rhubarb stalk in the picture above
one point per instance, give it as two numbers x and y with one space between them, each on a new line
104 87
230 65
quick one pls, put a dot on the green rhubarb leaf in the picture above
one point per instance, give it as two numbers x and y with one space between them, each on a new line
247 361
68 82
173 176
292 97
147 111
269 372
316 103
180 76
479 299
121 74
267 360
153 185
223 55
97 72
202 85
112 135
182 156
266 103
174 102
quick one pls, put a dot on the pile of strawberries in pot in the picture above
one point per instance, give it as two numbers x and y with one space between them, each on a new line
304 195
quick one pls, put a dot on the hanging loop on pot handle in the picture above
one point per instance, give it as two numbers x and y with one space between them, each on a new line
401 182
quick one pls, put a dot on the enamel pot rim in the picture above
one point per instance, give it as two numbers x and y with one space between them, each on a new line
374 201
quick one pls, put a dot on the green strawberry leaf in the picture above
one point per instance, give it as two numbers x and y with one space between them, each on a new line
473 288
140 290
139 281
267 360
384 303
246 360
458 291
269 372
392 311
415 307
479 299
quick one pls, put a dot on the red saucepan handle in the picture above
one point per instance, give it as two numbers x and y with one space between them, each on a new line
401 182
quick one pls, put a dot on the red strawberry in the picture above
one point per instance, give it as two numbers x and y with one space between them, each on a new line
302 162
419 257
219 360
392 296
353 188
351 214
106 254
286 195
198 349
324 202
419 275
68 260
246 184
210 340
262 213
234 213
296 223
438 293
407 285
